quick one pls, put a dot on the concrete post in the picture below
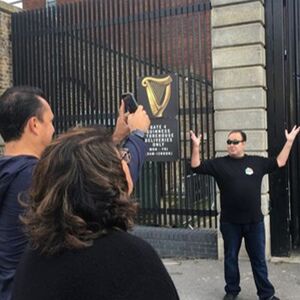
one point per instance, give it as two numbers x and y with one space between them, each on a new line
239 78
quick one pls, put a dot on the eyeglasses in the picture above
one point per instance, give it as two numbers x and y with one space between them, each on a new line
234 142
125 155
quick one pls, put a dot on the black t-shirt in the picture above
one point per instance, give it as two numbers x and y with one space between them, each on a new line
239 181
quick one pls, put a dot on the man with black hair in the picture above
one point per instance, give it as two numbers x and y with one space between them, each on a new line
239 177
26 126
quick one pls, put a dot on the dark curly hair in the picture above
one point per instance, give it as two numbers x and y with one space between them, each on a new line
79 192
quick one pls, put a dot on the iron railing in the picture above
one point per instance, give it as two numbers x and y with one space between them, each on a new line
84 55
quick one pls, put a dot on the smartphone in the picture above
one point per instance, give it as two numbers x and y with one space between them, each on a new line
131 104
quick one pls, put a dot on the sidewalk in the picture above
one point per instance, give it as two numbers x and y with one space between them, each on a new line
203 279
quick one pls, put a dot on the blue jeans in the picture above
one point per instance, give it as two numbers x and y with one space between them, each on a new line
254 236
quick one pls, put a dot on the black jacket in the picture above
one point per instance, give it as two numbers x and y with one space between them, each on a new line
119 266
15 177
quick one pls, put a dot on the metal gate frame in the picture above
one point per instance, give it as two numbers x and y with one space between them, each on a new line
283 69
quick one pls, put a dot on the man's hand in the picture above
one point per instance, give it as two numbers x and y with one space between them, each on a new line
285 152
195 159
290 136
122 129
139 120
196 140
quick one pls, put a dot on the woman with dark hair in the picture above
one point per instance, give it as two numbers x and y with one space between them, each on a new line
76 220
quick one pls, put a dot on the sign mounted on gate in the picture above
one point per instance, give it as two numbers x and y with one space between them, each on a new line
159 96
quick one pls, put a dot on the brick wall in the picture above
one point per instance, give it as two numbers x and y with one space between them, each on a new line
36 4
180 242
5 45
5 49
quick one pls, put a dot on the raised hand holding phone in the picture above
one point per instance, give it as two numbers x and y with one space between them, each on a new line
130 102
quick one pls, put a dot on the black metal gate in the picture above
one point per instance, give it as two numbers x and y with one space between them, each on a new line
84 55
283 75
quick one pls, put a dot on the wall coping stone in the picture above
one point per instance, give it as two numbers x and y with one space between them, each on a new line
7 8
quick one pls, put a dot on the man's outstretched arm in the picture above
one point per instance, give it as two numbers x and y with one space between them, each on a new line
285 152
196 159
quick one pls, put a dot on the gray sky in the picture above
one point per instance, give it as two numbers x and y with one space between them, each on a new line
14 2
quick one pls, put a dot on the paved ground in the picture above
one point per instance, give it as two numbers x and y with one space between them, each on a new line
203 279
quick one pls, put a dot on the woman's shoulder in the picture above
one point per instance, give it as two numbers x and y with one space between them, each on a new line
125 239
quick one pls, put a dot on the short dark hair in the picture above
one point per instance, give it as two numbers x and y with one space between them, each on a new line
17 105
242 133
79 192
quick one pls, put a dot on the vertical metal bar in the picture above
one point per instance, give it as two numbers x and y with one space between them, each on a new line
193 110
139 39
125 46
58 83
134 43
26 51
97 52
92 47
105 61
119 47
68 77
77 64
115 94
47 61
200 66
82 81
181 117
128 42
31 49
72 61
55 61
172 51
160 70
68 83
144 179
46 82
63 68
149 41
110 100
101 24
38 46
85 65
206 85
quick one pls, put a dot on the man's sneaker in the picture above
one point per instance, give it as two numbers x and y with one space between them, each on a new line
273 298
230 297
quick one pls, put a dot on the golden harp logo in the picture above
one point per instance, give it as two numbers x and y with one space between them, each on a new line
159 93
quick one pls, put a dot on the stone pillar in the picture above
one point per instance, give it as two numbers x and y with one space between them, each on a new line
239 79
5 49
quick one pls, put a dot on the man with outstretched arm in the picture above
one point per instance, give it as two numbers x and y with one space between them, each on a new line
239 177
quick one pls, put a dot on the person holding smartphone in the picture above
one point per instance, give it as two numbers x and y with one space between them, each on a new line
131 127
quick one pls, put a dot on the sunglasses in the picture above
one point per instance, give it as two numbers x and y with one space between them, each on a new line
234 142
